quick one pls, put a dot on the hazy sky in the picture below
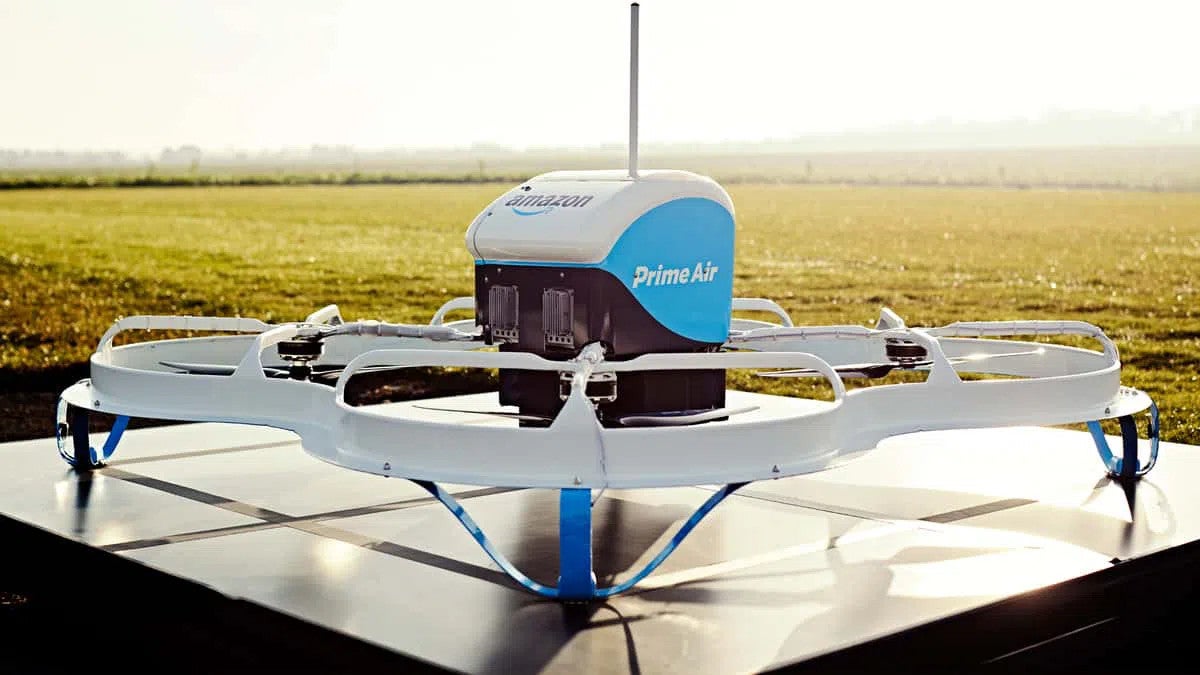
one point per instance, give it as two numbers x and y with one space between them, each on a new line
138 76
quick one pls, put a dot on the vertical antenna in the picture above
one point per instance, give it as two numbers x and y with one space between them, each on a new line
633 90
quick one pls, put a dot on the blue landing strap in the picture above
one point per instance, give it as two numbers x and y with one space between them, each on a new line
576 581
71 424
683 532
480 538
114 437
1127 466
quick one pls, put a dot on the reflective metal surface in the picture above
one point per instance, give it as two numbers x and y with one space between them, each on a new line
285 479
922 475
37 488
925 527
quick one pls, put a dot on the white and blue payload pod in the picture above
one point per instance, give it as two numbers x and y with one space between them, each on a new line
639 264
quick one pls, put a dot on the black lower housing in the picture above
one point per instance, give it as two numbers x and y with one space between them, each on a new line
536 392
555 311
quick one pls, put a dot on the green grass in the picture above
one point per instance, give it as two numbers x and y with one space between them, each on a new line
72 261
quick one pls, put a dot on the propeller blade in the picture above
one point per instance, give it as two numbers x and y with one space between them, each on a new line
216 368
200 368
323 373
681 418
973 358
853 370
332 372
525 417
876 370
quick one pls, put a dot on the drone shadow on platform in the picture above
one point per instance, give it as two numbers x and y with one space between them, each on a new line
627 530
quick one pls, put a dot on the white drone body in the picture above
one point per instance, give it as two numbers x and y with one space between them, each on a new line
604 299
577 217
462 439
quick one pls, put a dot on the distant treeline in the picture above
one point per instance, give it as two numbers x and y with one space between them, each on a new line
1159 169
35 182
40 182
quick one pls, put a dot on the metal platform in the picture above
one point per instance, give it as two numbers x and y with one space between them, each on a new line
928 529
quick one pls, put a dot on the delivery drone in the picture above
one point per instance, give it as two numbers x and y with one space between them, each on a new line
605 300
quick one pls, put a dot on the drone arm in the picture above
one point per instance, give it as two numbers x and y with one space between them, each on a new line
1035 328
251 364
775 333
410 358
762 305
187 323
329 314
589 361
453 305
435 332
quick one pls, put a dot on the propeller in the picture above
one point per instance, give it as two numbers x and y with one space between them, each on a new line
877 370
848 371
676 418
218 368
328 374
680 418
524 417
323 374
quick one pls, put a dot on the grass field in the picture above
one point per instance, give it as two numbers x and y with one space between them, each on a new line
72 261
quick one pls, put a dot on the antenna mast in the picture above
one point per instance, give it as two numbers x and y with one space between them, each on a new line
633 90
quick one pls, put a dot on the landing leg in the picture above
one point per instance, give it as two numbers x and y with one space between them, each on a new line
576 580
78 418
73 422
1127 467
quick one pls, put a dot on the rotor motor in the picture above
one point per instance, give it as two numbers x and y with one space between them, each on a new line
299 353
